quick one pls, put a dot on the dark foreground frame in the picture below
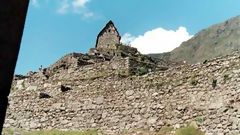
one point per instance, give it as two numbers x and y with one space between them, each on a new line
12 19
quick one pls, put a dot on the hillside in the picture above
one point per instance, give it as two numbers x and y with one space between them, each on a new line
218 40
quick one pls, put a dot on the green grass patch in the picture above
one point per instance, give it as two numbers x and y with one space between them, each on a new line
50 132
189 130
165 131
142 70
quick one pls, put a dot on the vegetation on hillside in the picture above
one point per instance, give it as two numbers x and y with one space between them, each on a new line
51 132
189 130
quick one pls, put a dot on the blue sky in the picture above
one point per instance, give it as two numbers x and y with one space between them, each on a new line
57 27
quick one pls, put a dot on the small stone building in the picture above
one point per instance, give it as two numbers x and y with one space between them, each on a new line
108 38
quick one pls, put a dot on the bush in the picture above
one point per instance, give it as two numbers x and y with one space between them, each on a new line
199 120
189 130
142 70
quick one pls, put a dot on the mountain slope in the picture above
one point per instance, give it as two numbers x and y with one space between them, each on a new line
217 40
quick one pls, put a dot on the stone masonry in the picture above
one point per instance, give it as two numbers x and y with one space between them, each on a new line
108 38
207 93
125 90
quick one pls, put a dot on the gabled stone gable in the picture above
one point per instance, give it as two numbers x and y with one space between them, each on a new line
108 38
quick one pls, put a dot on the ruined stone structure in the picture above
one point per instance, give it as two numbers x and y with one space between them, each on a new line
108 42
108 38
110 53
81 82
204 93
124 90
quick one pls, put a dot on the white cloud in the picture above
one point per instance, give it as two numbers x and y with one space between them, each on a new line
64 7
75 6
79 3
79 7
69 6
158 40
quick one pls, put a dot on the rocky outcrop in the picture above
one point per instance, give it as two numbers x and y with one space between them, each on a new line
207 93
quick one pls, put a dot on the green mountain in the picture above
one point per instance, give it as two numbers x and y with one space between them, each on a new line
218 40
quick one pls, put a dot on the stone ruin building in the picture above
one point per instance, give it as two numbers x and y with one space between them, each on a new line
110 52
108 38
108 43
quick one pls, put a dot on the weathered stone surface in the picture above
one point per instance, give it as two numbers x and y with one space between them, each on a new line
102 99
129 93
99 100
108 38
34 88
152 120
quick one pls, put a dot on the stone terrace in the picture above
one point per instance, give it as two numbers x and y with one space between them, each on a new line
207 93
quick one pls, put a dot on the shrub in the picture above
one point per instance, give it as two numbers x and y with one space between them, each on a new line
199 120
189 130
142 70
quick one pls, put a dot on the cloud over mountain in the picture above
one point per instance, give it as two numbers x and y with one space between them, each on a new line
157 40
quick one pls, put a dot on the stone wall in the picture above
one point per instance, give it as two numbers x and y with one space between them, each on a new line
206 93
108 39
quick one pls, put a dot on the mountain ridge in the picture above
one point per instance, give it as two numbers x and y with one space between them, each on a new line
217 40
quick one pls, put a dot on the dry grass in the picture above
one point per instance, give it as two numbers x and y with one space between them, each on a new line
50 132
189 130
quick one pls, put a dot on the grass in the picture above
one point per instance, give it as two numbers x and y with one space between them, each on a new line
189 130
168 130
50 132
165 131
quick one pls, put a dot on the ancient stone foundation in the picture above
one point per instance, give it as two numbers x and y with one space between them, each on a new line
207 93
